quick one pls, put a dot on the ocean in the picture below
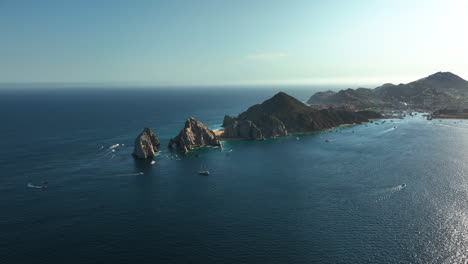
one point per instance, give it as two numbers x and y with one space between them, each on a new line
296 199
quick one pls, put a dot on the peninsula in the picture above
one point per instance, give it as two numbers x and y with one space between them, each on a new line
284 115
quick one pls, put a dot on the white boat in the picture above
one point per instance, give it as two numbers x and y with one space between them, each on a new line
203 171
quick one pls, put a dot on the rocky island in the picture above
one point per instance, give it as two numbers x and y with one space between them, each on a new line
146 145
194 135
283 115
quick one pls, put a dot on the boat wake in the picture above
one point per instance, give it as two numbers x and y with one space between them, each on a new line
388 192
173 157
387 130
110 152
399 187
130 174
114 146
442 125
30 185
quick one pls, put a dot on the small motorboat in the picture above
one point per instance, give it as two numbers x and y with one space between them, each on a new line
403 185
203 170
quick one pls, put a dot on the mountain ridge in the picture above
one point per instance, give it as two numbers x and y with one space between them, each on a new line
438 90
283 115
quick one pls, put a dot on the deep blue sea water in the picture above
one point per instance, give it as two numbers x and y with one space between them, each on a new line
289 200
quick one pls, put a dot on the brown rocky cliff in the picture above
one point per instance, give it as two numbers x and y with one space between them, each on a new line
194 134
146 145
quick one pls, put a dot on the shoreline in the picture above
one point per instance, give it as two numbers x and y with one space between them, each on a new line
219 132
450 117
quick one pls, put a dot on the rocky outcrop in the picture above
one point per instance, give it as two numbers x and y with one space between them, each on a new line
194 134
146 145
241 128
283 115
266 127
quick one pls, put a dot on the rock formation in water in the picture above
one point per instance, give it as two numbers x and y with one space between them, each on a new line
146 145
283 115
194 134
436 91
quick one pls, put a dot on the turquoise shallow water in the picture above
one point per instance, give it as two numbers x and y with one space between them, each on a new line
289 200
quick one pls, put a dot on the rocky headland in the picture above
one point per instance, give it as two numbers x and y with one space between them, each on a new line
283 115
146 145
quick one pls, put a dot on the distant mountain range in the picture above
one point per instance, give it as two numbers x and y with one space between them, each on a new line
437 91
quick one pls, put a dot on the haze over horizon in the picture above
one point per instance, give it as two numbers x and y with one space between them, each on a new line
231 42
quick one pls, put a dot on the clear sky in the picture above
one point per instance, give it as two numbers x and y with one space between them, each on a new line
199 42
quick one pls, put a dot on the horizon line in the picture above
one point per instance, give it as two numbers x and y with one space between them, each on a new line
368 82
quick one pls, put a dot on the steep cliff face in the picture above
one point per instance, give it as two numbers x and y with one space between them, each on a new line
146 145
282 115
194 134
241 128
